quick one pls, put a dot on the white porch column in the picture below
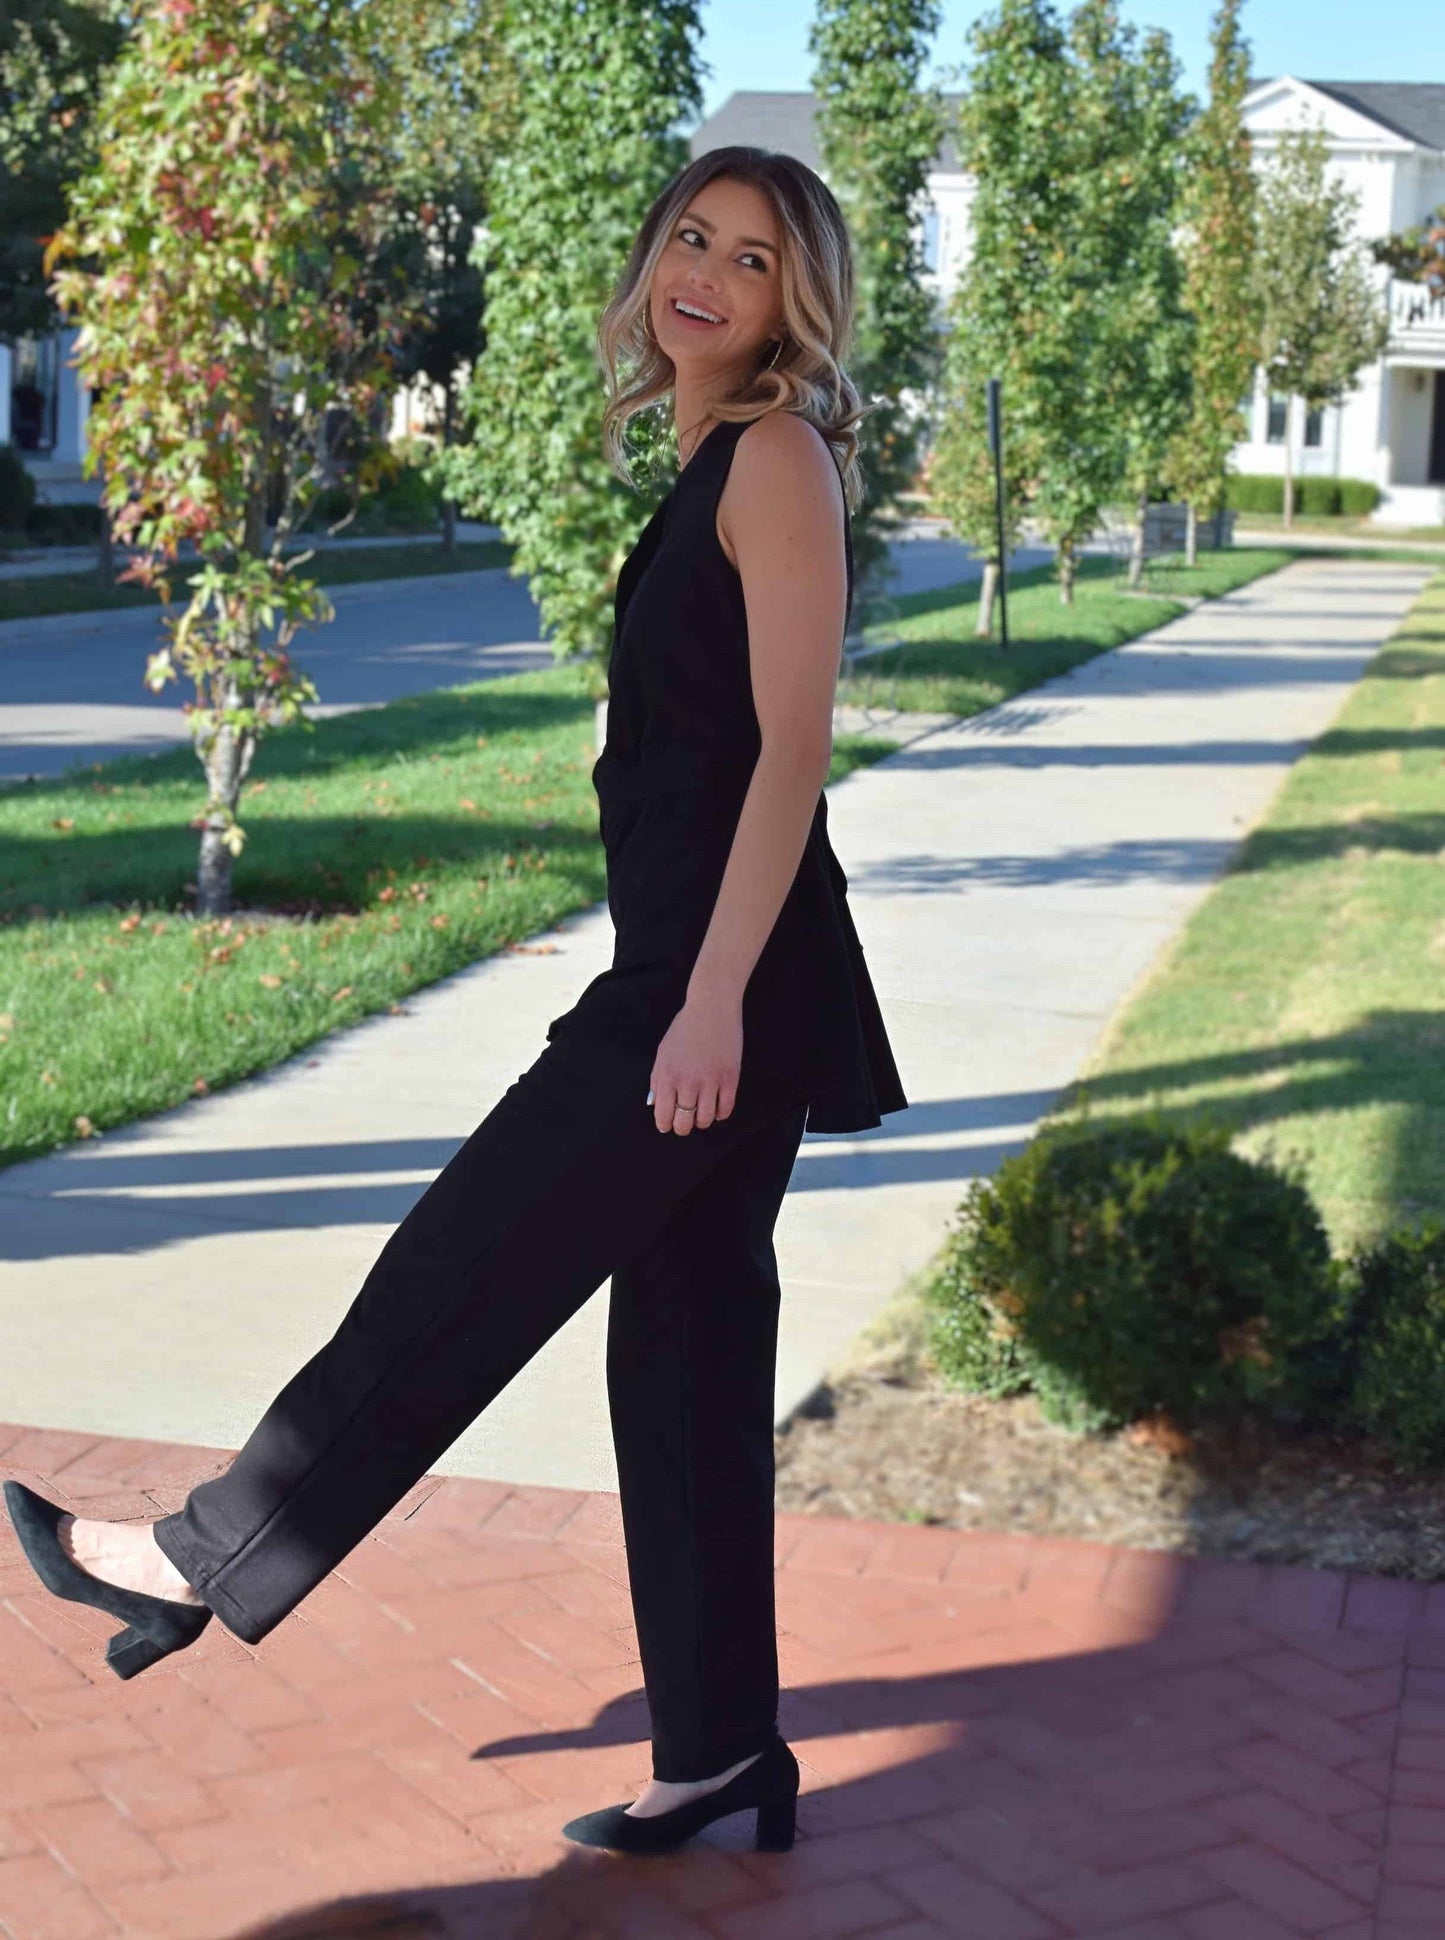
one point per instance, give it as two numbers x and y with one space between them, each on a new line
72 404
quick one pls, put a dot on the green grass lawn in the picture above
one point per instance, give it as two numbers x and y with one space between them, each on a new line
24 599
386 849
1304 1003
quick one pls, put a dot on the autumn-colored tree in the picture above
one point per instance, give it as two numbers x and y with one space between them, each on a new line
1322 320
1417 255
1217 243
878 135
220 259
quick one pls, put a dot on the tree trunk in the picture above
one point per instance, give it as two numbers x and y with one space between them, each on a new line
987 593
1136 550
1191 535
1067 564
1288 464
449 505
105 563
226 763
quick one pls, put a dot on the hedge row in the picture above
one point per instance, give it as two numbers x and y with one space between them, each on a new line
1314 498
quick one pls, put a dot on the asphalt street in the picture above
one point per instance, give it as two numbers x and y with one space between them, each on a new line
72 687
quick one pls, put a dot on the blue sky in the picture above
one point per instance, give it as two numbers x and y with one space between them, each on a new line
763 43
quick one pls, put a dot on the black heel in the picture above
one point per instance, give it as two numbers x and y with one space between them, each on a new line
776 1823
770 1783
156 1625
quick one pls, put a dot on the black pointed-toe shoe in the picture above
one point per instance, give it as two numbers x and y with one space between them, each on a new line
769 1785
157 1625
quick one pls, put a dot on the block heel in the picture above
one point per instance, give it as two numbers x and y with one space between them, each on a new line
769 1784
776 1822
155 1625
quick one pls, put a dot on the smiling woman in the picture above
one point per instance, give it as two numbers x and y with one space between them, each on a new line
738 993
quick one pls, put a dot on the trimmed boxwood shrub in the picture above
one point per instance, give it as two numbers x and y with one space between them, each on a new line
1133 1269
1314 498
1397 1339
64 525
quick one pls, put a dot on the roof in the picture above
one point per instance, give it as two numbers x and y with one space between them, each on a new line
785 121
1412 109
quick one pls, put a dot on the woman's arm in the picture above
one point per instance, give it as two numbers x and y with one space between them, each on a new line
782 513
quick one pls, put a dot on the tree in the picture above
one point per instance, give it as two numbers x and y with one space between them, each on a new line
601 89
1113 320
1217 244
54 55
1010 140
222 252
1129 121
1322 318
878 136
458 94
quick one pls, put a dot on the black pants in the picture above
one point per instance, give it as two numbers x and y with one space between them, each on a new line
566 1180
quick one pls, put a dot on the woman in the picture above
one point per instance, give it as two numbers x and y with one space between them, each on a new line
738 1000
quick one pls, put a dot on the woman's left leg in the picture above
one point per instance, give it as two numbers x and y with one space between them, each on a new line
692 1338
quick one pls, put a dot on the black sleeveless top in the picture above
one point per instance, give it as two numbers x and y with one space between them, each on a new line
682 738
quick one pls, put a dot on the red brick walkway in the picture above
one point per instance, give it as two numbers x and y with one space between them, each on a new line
1000 1737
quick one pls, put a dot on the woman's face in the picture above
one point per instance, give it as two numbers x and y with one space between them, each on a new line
722 257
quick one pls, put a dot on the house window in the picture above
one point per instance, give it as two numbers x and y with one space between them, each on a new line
1314 426
930 239
1278 418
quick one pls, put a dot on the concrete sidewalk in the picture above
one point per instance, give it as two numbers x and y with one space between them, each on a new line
1013 876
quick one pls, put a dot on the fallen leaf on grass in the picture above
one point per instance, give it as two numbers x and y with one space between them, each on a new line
345 991
83 1126
440 922
271 983
200 1087
63 822
131 922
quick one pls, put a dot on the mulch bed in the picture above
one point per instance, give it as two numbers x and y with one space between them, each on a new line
886 1437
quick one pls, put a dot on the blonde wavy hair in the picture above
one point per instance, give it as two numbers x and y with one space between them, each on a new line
817 278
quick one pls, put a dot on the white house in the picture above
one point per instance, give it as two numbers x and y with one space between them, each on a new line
1387 139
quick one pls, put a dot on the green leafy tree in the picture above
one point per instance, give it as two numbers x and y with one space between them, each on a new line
602 87
1116 394
1217 245
1322 318
54 55
458 98
220 258
1129 122
1011 141
878 134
